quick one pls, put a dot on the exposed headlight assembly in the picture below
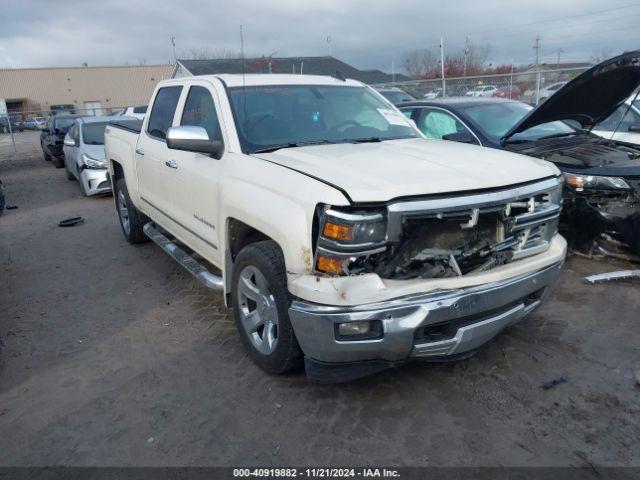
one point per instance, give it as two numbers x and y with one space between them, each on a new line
92 162
347 238
595 182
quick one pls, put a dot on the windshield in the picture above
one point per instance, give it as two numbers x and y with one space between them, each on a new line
495 119
268 117
93 133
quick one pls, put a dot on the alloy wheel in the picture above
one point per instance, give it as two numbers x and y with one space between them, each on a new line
258 311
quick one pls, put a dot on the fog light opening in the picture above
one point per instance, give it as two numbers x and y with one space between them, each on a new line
359 330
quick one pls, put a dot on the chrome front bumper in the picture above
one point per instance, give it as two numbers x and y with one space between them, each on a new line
463 319
95 180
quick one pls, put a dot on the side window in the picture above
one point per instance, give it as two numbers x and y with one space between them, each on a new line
200 111
73 132
407 112
164 108
438 123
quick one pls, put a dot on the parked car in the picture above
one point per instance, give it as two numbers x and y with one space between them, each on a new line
433 93
34 123
4 125
482 91
52 137
343 237
602 177
623 125
138 112
511 92
396 95
549 90
84 158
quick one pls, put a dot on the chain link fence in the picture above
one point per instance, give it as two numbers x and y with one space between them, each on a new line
528 86
17 127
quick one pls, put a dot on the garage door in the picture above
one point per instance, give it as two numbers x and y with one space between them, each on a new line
92 108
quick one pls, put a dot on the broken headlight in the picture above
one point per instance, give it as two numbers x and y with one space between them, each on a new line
595 182
346 240
93 162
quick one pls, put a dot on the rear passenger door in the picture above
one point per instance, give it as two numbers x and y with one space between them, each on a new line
155 176
196 188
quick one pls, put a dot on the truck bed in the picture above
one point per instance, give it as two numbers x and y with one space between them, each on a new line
131 125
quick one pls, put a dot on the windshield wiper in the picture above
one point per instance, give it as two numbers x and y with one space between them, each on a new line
293 145
559 135
366 140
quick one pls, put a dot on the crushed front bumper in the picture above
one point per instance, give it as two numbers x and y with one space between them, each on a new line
435 326
95 180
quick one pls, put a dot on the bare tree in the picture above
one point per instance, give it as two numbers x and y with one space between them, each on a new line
205 53
425 63
420 63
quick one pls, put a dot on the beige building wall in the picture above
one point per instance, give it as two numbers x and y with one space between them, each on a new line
38 88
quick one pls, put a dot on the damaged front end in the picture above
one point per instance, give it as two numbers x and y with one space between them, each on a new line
602 213
439 237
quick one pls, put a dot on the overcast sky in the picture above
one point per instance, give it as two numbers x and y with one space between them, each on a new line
367 34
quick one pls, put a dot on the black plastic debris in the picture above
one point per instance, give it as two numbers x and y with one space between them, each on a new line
10 207
554 383
70 222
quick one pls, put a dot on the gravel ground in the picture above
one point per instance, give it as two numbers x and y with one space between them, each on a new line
112 355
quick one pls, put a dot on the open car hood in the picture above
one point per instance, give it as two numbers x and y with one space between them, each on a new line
589 98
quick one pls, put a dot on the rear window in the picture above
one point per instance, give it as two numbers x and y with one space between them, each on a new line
163 110
142 109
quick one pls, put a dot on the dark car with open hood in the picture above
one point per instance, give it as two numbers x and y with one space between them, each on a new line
602 177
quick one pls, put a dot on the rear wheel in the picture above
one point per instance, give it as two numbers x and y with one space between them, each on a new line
58 162
261 308
131 220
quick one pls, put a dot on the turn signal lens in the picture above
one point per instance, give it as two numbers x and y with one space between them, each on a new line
329 265
337 232
576 181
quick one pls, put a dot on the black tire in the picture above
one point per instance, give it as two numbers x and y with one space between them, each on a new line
267 258
47 157
58 162
136 219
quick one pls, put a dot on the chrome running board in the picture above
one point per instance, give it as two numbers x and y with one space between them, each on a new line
194 267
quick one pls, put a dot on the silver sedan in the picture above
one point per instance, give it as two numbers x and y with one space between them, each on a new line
84 158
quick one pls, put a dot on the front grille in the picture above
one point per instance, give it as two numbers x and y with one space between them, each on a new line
456 236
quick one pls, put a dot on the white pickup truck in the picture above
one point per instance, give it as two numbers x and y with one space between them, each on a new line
341 237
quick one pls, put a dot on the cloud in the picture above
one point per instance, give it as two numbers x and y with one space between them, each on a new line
368 34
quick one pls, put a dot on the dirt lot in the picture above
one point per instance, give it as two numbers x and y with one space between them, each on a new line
112 355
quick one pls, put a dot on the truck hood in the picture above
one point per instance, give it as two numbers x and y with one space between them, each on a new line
378 172
590 97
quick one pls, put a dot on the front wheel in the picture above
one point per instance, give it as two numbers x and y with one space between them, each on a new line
58 162
261 308
131 220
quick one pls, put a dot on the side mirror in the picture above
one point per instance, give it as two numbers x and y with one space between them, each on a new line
461 137
70 142
193 139
634 128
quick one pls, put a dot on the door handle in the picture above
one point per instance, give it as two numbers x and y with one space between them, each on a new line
140 151
171 164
